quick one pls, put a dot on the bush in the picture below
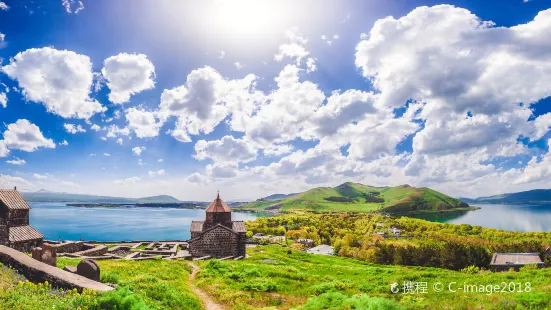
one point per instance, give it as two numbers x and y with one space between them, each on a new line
339 301
529 267
119 299
470 270
260 285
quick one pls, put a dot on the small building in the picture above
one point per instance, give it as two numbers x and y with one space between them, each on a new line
505 261
15 231
217 236
322 249
381 233
306 242
395 231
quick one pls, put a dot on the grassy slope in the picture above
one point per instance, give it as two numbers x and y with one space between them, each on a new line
162 284
398 199
295 277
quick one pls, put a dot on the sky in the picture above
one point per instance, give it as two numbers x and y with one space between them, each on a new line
184 98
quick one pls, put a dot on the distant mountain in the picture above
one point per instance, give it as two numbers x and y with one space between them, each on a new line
534 196
158 199
351 196
45 196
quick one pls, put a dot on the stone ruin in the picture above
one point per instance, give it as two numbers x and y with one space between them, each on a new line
87 268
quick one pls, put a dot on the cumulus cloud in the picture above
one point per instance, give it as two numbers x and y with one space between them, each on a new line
16 161
128 74
73 129
4 151
40 176
277 150
138 150
3 100
128 181
95 127
4 6
25 136
64 143
143 123
294 49
61 80
226 150
205 100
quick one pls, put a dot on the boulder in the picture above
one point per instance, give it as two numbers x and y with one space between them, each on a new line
88 268
36 253
49 255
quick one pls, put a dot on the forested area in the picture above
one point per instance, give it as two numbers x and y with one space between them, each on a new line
422 243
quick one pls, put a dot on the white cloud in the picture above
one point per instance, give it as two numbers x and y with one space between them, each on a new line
25 136
197 178
3 100
128 74
128 181
107 154
138 150
95 127
542 125
277 150
64 143
144 124
311 65
61 80
8 181
237 65
221 171
4 151
226 150
119 141
73 129
160 160
294 49
113 131
330 39
40 176
4 6
205 100
221 54
16 161
141 162
156 173
72 6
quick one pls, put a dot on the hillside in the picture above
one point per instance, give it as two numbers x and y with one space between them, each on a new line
351 196
45 196
536 196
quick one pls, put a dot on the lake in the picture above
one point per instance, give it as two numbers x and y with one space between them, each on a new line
505 217
56 220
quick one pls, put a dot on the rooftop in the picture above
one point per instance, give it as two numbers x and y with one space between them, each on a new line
322 249
218 205
24 233
13 200
516 259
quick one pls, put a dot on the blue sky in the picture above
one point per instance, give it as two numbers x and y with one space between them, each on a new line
435 96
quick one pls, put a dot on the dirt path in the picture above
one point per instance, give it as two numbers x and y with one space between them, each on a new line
207 301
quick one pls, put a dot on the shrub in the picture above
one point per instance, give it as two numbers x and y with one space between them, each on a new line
470 270
119 299
529 267
260 285
339 301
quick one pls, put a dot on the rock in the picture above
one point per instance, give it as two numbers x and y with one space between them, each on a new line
88 269
49 255
36 253
71 269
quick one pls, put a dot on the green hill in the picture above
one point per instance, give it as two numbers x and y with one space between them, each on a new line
351 196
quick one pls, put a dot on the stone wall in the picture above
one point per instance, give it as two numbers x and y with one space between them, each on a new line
218 242
96 251
26 246
36 271
18 218
69 247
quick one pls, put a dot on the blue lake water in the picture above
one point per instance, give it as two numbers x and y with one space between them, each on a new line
56 220
506 217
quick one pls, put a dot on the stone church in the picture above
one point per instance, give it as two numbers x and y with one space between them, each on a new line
15 230
217 236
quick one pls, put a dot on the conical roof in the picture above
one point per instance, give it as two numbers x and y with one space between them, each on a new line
218 205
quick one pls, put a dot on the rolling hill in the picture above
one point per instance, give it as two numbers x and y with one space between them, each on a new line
351 196
535 196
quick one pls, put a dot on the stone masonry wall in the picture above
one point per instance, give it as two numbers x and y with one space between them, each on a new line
218 242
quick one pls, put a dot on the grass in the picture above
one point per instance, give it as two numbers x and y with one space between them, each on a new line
398 199
303 280
163 284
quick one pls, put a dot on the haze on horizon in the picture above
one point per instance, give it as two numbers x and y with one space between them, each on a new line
135 98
